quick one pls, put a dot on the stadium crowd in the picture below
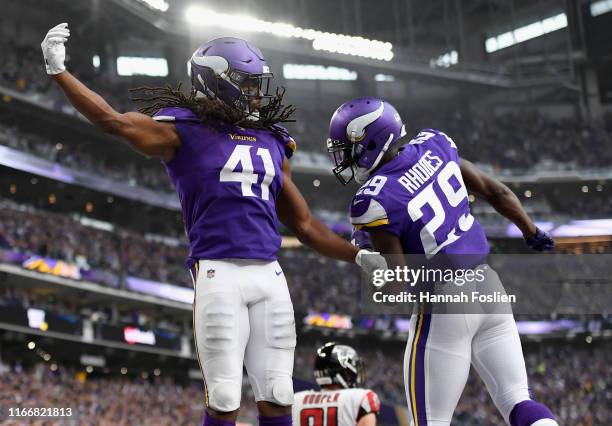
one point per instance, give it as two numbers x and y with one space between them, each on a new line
98 401
573 381
121 253
77 156
64 238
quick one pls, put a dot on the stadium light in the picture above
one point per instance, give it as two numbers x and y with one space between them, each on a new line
317 72
526 32
445 60
329 42
601 7
160 5
131 65
384 78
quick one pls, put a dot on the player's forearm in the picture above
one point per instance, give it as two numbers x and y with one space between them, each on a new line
506 203
88 102
316 235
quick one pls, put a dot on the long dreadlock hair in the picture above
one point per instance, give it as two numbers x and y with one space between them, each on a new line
156 98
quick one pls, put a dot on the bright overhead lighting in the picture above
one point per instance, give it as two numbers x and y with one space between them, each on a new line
601 7
526 32
317 72
384 78
445 60
132 65
329 42
160 5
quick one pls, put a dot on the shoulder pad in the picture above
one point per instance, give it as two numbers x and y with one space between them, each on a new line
432 135
286 140
366 212
370 402
173 114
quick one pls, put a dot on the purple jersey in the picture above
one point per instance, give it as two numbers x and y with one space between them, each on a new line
420 197
227 179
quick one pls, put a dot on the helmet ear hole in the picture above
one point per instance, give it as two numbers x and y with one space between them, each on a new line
371 145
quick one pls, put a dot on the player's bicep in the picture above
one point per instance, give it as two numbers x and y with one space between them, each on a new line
478 182
148 136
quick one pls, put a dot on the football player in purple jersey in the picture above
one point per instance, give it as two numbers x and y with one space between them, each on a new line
414 200
227 157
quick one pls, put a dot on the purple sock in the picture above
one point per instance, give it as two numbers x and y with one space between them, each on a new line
211 421
526 413
274 421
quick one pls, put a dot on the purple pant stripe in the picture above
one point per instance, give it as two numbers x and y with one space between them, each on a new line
420 371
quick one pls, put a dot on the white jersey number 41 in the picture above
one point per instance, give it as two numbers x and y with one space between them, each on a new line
247 177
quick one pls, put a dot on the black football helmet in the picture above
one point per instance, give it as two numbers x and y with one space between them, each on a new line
340 365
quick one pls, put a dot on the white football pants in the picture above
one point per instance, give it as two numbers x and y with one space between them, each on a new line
242 314
439 352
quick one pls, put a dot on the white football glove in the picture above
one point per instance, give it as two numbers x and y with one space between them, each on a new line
370 261
54 50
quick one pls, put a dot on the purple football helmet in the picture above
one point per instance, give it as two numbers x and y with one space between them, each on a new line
360 132
232 70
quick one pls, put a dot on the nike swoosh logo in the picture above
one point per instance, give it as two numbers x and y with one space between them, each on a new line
278 273
358 201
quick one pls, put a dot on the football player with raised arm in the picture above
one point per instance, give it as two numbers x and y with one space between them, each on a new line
342 400
414 200
227 157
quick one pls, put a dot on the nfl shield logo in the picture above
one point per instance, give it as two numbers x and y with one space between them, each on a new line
210 273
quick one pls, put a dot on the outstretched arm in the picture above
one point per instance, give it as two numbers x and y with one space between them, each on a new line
498 195
506 203
294 213
140 131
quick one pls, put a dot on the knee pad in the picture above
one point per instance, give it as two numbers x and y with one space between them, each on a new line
531 413
225 396
282 391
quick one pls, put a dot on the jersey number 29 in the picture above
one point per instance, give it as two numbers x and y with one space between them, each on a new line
429 197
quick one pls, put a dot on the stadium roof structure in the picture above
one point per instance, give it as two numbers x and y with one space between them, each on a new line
443 39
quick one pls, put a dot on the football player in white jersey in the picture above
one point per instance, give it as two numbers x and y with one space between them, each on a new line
342 401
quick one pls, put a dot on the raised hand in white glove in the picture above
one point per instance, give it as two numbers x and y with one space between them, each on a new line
370 261
54 50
